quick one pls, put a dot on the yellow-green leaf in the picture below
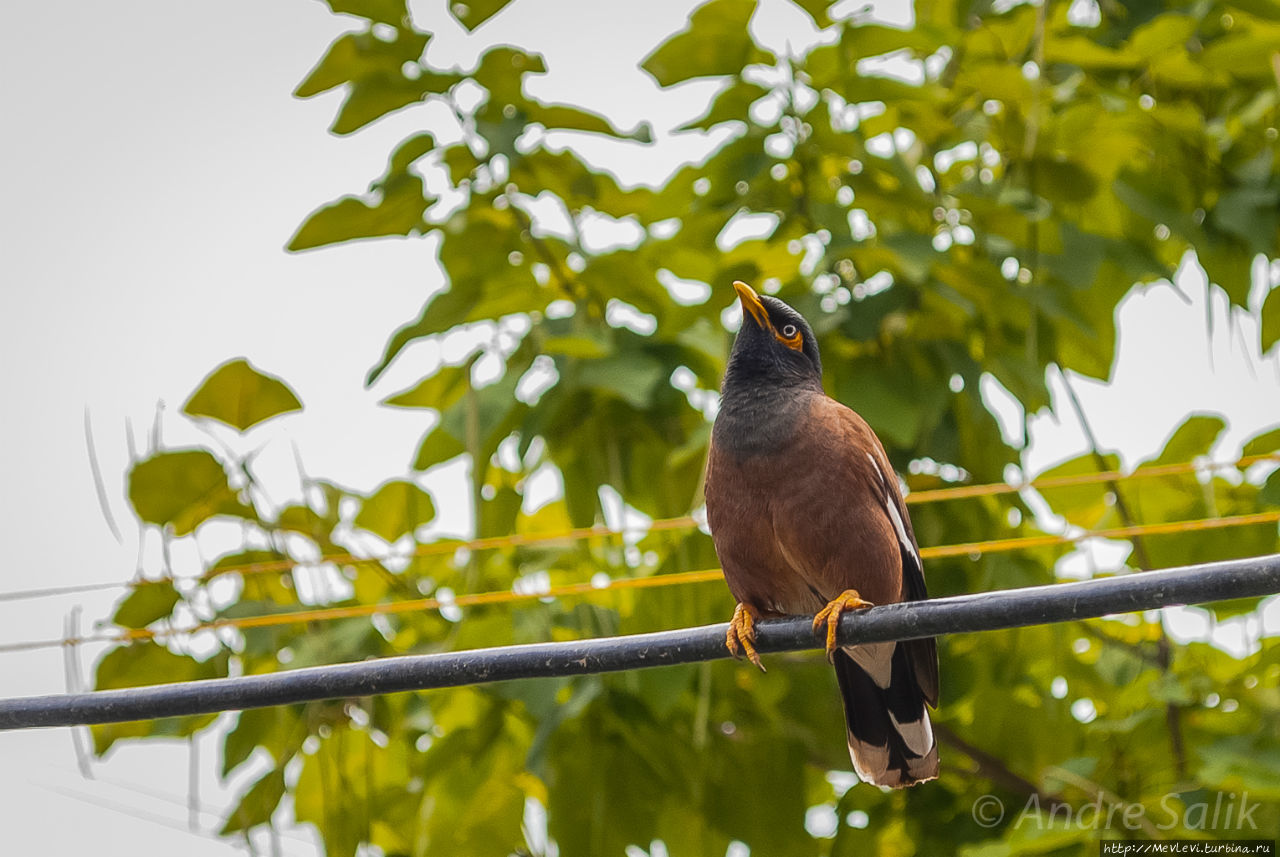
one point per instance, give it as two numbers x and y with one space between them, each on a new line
1267 442
397 508
716 42
182 489
1270 331
149 601
396 211
1084 505
386 11
473 13
147 663
258 804
241 396
439 390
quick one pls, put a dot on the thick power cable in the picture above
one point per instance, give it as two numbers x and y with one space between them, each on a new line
1037 605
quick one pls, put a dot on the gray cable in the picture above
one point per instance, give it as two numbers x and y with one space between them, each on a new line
1035 605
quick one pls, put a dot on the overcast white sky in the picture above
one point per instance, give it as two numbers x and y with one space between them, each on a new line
153 165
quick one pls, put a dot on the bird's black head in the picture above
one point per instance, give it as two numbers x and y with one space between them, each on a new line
775 346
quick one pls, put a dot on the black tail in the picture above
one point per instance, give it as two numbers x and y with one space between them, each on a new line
890 738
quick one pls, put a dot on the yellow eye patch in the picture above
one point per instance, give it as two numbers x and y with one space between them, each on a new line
795 342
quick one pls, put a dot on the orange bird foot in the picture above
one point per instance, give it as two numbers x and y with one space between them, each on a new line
741 636
830 616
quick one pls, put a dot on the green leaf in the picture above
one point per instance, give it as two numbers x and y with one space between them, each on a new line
397 210
1195 437
561 117
439 390
1234 607
1062 180
1250 213
1270 493
251 730
407 153
308 522
233 562
375 69
386 11
631 376
884 400
461 163
1269 333
1086 505
1263 444
1245 56
240 396
437 447
817 10
502 70
627 276
492 412
182 489
585 346
258 804
1241 762
716 42
443 311
146 663
473 13
869 40
1163 34
397 508
731 105
487 257
150 601
475 785
1086 53
1229 265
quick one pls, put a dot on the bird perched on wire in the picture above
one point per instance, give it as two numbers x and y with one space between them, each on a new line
807 517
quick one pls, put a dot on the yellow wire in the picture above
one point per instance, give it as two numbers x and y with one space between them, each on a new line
682 522
328 614
688 522
1046 482
1002 545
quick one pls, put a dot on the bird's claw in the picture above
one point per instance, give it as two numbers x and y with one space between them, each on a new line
830 616
741 636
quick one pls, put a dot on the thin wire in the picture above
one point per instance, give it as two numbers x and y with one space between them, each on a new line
506 596
683 522
432 549
1196 525
1047 482
329 614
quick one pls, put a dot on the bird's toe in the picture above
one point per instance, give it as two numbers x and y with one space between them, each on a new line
830 616
741 636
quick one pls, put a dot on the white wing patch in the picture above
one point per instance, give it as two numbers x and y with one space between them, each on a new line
870 761
894 515
917 734
876 659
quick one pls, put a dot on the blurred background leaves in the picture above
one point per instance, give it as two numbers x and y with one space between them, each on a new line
957 204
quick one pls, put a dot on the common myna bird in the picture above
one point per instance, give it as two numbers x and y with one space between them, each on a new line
807 517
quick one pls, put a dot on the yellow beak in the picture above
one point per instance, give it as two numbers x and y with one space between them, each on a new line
751 303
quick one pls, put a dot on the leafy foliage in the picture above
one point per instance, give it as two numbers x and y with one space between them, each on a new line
241 396
182 489
395 509
977 217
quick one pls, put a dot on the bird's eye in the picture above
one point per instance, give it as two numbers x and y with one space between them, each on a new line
789 330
